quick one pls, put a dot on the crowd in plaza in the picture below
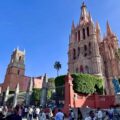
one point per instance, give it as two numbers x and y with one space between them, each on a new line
38 113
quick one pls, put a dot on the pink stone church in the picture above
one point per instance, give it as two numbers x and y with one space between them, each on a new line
16 74
90 53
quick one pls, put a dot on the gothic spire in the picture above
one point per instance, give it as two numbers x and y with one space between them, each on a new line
109 31
73 25
90 18
98 32
84 13
97 27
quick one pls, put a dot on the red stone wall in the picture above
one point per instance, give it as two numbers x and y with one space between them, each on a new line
75 100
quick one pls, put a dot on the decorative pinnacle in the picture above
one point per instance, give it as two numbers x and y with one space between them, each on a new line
97 26
73 25
109 31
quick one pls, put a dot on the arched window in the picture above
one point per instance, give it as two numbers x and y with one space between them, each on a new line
86 69
89 44
88 31
89 48
81 69
76 70
78 51
83 33
85 47
78 35
74 54
19 58
18 72
75 35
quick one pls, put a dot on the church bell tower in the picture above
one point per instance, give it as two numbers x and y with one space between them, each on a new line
15 70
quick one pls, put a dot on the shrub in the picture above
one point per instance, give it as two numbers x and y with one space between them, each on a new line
82 83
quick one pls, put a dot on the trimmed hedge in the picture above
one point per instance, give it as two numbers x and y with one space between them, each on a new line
82 83
87 84
59 82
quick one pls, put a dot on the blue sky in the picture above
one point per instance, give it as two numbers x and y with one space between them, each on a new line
42 28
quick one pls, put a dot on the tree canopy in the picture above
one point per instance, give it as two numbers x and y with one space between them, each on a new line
57 66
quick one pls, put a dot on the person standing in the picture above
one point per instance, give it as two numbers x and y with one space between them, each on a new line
72 115
42 115
37 112
99 114
110 111
59 115
80 117
91 116
30 113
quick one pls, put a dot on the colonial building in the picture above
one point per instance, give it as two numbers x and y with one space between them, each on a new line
90 53
15 74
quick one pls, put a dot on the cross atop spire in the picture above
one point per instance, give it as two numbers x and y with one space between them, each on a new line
84 13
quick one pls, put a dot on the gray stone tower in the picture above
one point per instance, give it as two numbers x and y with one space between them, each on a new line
83 54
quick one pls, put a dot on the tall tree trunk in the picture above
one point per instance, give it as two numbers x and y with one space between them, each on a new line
57 73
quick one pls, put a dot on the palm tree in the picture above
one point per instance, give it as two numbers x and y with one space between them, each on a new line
57 66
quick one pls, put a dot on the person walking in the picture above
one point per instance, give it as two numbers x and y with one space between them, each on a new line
59 115
80 117
72 115
30 113
91 116
37 112
99 114
42 115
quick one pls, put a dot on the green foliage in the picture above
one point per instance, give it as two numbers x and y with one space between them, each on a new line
51 82
82 83
49 94
87 84
51 86
59 82
57 66
36 94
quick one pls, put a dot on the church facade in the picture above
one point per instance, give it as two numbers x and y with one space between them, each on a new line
90 53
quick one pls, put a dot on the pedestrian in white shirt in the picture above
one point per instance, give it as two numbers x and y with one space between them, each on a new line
37 111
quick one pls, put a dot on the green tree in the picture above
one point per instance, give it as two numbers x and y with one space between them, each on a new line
36 94
57 66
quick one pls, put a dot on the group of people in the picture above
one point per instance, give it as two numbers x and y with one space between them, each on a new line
19 112
29 113
109 114
38 113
